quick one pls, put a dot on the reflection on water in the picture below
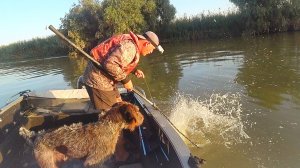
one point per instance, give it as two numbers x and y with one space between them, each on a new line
239 98
36 74
270 70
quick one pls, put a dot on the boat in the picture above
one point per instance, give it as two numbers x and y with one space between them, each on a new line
158 143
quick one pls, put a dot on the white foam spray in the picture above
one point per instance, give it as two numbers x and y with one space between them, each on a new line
214 121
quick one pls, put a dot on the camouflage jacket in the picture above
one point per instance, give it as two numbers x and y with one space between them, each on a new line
120 57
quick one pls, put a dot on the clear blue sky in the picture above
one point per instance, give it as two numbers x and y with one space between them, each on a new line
26 19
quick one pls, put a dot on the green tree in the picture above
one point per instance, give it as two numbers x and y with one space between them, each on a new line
166 13
82 23
150 15
123 16
92 21
268 16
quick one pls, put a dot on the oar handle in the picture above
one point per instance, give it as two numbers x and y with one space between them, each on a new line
72 44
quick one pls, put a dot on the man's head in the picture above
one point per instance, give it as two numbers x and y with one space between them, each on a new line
151 43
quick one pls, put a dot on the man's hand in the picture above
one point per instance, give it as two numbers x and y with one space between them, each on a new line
139 74
128 86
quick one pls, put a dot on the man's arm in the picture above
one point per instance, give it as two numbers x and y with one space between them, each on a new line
118 59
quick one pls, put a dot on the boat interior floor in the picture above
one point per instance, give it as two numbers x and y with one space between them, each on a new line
45 114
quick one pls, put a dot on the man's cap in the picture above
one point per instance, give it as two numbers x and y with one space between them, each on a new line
153 39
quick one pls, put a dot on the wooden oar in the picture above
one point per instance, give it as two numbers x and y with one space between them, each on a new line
78 48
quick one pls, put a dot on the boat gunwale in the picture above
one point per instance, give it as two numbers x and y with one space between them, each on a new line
11 104
180 147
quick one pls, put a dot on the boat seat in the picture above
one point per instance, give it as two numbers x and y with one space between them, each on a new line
134 165
76 107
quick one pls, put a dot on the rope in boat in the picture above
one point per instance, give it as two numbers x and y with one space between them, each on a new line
193 143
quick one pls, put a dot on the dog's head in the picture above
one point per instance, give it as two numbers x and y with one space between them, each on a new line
128 113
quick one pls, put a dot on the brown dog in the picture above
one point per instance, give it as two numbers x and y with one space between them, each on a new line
94 142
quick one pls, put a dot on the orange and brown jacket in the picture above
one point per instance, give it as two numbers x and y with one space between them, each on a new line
118 55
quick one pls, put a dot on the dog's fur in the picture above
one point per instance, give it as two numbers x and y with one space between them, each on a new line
93 142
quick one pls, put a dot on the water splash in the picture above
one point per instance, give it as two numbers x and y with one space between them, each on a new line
214 121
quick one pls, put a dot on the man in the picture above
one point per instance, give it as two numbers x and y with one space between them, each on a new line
118 56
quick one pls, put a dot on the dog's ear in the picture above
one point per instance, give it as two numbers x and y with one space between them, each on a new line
126 114
128 117
116 104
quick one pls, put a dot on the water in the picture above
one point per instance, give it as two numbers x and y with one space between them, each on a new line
214 121
238 99
35 74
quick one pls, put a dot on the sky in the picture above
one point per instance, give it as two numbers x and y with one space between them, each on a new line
26 19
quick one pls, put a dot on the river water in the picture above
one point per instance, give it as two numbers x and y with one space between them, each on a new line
237 99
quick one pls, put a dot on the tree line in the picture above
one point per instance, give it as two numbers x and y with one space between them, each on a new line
253 17
91 21
35 48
